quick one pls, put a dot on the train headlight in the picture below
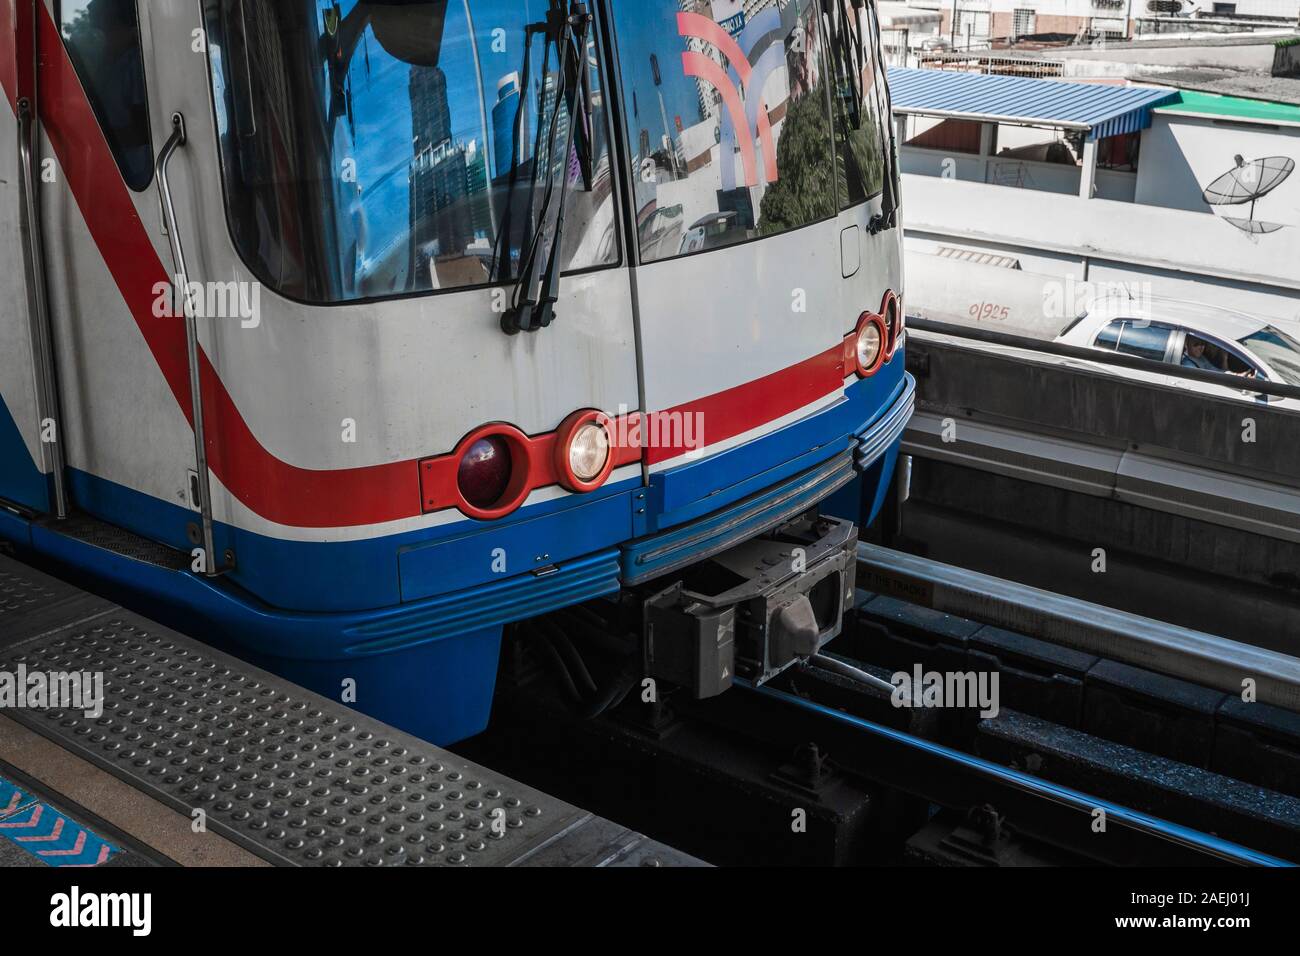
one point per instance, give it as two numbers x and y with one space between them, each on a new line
588 452
872 337
869 345
584 451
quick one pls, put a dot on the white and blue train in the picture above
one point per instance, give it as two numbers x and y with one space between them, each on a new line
341 333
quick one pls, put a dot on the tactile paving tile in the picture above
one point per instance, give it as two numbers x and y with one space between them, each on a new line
290 775
32 603
21 594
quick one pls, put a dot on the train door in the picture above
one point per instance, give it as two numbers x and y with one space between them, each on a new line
28 400
729 120
128 441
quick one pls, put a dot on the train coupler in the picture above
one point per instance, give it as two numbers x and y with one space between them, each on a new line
753 610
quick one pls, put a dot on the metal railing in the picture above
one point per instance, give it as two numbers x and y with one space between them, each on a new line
175 142
42 333
1237 382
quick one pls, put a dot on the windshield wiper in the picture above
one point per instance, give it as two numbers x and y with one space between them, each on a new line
888 217
532 306
850 56
848 43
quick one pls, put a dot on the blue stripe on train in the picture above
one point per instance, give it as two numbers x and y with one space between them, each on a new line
323 576
429 665
21 481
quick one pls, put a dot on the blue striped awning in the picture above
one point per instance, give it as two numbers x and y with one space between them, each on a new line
1100 108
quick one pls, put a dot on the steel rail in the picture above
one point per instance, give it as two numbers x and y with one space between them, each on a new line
1018 792
1196 656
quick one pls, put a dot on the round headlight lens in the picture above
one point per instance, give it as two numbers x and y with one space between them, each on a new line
869 345
485 470
589 451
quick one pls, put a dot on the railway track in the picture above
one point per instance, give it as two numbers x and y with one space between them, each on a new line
1101 749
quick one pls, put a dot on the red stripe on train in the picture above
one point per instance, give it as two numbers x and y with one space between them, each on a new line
735 411
9 52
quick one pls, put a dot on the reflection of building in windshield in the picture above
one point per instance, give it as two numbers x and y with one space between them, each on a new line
694 152
1279 350
504 113
548 96
450 217
430 110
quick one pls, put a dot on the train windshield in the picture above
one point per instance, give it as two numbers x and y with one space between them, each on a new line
747 119
375 148
862 135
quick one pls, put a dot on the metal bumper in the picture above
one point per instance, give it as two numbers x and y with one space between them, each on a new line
681 547
881 435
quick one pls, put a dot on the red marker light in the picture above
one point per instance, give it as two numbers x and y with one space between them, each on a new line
484 474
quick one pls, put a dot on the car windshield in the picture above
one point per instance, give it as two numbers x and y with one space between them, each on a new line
1279 350
368 145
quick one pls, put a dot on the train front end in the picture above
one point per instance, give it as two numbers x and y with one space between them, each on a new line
766 274
496 308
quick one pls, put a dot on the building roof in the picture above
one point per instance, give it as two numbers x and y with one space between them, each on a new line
1216 106
1101 109
894 14
1248 84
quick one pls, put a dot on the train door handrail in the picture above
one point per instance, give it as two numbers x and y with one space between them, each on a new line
47 395
182 279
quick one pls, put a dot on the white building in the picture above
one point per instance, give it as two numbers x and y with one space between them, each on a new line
1188 195
978 24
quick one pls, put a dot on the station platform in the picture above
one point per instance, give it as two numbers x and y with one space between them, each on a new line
198 759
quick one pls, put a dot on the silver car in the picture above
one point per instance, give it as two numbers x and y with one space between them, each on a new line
1197 336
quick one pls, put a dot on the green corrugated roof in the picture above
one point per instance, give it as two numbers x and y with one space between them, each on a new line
1233 107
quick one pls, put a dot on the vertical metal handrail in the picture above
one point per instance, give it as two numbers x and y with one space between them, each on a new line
182 279
47 392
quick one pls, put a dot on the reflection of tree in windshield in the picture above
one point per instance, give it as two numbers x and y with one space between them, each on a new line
862 170
805 191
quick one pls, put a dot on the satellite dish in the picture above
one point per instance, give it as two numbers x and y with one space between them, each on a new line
1254 226
1248 182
